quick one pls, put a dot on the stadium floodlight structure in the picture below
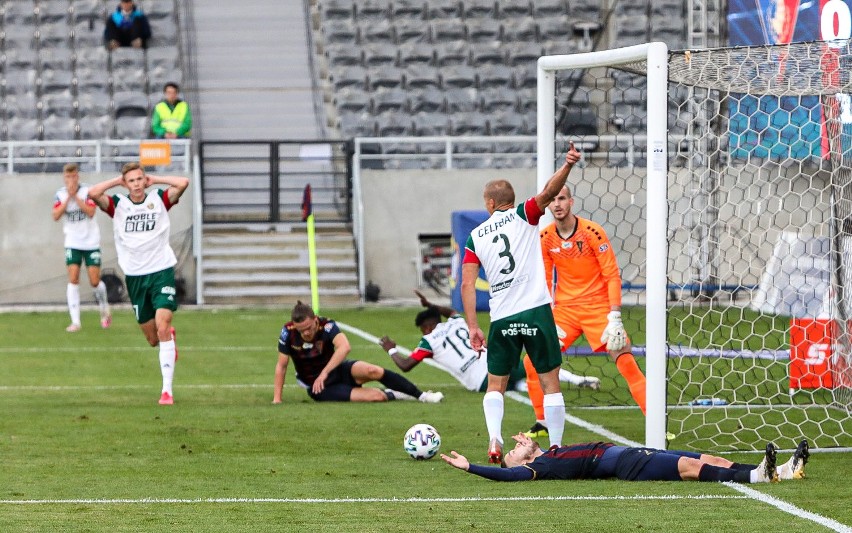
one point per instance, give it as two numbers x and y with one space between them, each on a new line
724 186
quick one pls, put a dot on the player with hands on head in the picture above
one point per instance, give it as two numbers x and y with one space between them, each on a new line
319 352
507 246
82 243
141 227
604 460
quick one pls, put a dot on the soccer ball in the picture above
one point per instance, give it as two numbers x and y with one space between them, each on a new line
421 441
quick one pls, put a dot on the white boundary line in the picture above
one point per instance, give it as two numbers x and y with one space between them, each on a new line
600 430
789 508
143 501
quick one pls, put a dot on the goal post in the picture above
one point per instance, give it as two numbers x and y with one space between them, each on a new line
722 178
655 55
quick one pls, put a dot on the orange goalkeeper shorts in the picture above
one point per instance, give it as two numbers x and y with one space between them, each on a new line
588 319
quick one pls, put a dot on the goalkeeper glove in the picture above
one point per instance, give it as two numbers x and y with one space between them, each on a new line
614 335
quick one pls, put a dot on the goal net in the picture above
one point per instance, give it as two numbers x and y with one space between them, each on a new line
723 180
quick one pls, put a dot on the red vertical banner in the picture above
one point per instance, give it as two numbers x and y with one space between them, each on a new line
811 349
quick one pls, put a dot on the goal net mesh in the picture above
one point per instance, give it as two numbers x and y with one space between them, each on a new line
759 237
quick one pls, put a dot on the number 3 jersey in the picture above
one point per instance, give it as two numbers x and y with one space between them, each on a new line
449 346
508 247
142 233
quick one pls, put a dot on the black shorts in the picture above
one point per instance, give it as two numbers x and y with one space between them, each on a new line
338 385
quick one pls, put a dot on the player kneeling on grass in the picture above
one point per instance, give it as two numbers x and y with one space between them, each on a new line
319 349
603 460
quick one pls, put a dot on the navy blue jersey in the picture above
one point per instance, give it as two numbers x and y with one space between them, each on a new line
576 461
309 357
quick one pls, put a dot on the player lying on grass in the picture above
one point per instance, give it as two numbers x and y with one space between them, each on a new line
603 460
448 344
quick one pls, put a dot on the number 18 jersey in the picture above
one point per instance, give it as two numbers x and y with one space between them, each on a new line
449 346
508 247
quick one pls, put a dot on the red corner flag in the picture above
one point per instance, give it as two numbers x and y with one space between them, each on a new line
307 207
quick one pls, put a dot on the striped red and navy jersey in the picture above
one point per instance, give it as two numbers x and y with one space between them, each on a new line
309 357
576 461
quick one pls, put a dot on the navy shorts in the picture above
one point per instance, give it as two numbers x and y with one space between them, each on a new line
338 385
641 464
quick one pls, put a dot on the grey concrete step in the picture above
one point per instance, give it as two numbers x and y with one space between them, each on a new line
287 278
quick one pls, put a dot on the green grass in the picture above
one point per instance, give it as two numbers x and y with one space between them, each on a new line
80 422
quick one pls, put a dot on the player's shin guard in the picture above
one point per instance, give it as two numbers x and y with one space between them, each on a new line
718 473
167 364
628 368
394 381
534 390
492 405
73 294
101 297
554 417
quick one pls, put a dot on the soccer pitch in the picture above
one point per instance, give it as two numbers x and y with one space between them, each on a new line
85 446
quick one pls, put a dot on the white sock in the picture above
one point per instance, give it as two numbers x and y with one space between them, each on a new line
101 297
492 404
554 417
569 377
73 294
167 364
752 476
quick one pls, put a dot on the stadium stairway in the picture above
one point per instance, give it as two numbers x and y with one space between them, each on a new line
255 264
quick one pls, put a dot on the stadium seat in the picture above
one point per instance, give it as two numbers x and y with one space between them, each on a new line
586 9
339 55
513 9
130 103
394 99
412 31
164 33
57 128
507 124
629 95
88 9
56 81
522 53
352 101
468 124
93 104
421 76
88 32
394 125
157 10
559 47
162 56
19 13
444 9
384 76
498 100
484 30
525 75
337 9
128 79
356 125
159 76
452 53
132 127
527 98
631 9
444 30
479 8
462 100
372 10
94 127
18 37
524 29
340 31
426 100
21 58
543 9
22 105
459 77
55 58
92 80
379 54
576 121
412 9
23 129
353 77
431 125
54 35
555 28
416 53
376 31
127 57
485 53
495 76
673 9
19 81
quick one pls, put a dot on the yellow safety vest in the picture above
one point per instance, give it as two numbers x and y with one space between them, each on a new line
170 119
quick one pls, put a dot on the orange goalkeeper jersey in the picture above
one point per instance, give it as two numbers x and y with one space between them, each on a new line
585 265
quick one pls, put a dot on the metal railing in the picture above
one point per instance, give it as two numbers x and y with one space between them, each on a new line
92 155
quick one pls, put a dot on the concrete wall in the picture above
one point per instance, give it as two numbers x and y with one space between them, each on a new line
32 256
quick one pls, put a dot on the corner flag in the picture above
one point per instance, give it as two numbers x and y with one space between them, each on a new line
308 216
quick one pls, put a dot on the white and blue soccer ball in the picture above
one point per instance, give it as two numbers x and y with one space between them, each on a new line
421 442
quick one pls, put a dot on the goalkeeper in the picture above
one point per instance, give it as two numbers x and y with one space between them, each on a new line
586 297
604 460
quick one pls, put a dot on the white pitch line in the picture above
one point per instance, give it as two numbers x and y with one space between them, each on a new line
145 501
834 525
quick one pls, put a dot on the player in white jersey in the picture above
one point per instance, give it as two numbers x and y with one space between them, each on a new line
508 247
82 243
140 222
